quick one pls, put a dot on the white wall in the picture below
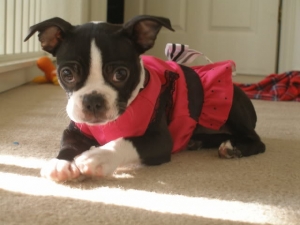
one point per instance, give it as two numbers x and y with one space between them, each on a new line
290 36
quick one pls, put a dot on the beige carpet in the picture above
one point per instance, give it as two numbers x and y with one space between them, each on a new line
195 188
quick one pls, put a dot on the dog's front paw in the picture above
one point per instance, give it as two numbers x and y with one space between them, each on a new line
97 162
226 150
60 170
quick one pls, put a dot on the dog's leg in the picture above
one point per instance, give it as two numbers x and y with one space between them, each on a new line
242 144
153 148
242 120
226 150
104 160
63 168
60 170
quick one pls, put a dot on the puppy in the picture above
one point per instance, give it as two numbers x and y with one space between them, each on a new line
127 107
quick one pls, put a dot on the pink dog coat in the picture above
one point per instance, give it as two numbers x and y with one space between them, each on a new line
218 93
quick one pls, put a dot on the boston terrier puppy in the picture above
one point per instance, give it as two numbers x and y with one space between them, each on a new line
127 107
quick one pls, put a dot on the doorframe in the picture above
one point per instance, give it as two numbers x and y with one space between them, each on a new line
289 49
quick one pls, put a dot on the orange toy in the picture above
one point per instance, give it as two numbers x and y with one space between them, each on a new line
45 64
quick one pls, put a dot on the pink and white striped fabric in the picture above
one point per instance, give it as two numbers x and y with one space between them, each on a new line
182 54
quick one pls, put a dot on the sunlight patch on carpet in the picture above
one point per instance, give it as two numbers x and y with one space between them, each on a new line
36 163
255 213
25 162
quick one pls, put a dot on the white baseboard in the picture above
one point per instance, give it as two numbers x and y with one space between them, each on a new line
16 73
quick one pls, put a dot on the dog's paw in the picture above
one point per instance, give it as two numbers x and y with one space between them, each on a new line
194 145
60 170
226 150
97 162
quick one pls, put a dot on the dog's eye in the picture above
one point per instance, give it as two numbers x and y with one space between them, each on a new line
120 74
67 75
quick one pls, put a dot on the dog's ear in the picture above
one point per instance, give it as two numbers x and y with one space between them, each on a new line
51 33
144 29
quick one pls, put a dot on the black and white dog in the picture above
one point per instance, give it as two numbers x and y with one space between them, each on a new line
126 107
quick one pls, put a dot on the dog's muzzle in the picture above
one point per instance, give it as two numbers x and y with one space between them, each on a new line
94 107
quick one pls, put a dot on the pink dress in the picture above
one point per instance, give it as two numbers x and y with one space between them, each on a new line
216 79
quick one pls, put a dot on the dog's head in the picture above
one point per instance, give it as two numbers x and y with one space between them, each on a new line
98 64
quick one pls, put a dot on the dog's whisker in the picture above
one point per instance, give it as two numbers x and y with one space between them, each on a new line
62 114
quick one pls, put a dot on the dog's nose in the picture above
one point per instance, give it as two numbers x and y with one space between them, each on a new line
93 102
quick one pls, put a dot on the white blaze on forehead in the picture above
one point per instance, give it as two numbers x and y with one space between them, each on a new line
95 82
96 66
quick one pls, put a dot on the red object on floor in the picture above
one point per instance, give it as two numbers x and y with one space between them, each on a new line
275 87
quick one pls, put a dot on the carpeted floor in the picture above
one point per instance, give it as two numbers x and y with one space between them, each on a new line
195 188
